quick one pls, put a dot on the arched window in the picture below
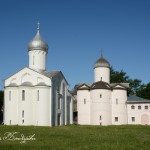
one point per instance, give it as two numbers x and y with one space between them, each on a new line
116 100
64 91
10 95
23 114
100 117
100 95
38 94
116 119
132 107
59 102
23 95
33 60
84 101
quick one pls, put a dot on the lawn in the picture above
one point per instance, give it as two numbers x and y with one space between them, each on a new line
75 137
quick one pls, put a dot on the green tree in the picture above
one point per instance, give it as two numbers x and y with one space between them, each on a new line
122 77
135 85
144 92
118 77
1 99
1 105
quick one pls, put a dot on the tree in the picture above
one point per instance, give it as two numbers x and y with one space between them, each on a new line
118 77
1 105
1 99
122 77
144 92
135 85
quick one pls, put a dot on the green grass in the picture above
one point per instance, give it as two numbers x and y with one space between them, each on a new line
75 137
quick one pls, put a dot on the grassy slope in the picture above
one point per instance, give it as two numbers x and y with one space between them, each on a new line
74 137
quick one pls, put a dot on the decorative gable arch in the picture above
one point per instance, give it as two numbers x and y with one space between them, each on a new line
26 77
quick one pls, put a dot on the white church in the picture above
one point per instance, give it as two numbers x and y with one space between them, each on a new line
35 96
105 103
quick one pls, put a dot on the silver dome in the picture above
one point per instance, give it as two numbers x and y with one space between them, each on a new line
37 43
102 62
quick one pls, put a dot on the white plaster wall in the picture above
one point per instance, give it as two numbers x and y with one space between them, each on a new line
13 109
11 106
119 110
138 113
26 106
37 60
100 107
42 106
35 112
102 72
71 110
83 109
60 89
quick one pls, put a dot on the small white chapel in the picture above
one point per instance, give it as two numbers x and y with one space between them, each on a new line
35 96
105 103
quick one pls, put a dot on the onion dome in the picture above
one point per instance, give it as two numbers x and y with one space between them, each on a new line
38 43
102 62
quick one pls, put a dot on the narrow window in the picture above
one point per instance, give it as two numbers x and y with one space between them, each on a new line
23 121
84 101
139 107
133 119
10 122
146 107
58 91
9 95
23 114
33 60
101 78
116 100
59 103
100 123
116 119
132 107
23 95
38 95
100 95
100 117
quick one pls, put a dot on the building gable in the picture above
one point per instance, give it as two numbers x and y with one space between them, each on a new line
100 85
83 87
119 86
27 77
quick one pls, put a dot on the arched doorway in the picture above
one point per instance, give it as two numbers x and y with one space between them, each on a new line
144 119
59 119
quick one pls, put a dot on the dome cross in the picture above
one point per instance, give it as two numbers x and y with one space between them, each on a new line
38 24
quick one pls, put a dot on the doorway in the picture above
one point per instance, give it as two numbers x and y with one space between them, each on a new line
144 119
59 119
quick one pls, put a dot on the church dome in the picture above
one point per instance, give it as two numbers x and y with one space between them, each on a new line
38 43
102 62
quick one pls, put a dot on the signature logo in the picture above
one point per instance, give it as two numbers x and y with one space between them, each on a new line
17 136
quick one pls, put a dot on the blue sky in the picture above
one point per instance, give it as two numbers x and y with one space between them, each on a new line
76 31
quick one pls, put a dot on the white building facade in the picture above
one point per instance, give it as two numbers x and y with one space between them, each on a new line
35 96
102 103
